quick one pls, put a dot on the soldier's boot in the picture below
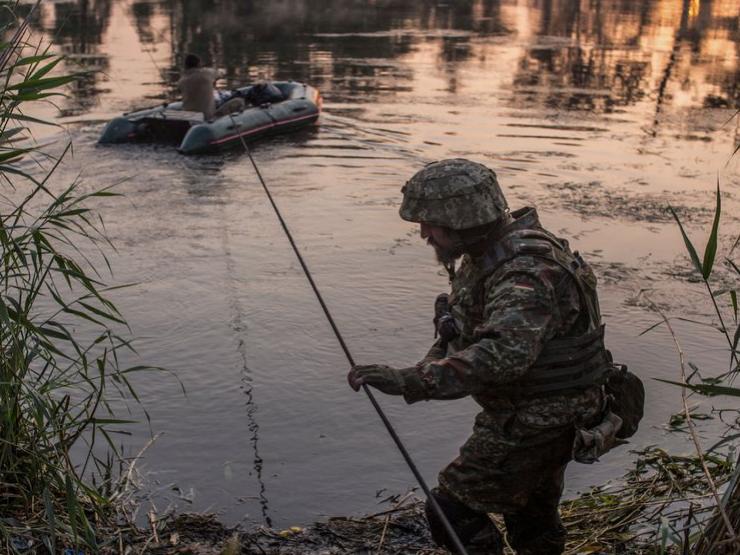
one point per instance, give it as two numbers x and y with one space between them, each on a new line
488 541
475 530
541 535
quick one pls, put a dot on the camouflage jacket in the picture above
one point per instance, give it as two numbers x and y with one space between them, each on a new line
505 319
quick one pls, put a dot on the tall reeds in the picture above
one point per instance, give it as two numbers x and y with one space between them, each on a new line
56 384
719 533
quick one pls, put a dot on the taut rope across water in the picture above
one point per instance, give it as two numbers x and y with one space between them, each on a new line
397 440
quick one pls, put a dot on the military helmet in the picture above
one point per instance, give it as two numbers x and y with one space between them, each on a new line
456 193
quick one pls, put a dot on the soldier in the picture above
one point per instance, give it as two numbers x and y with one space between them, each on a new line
523 337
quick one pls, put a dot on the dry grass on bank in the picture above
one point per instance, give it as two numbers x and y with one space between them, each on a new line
635 516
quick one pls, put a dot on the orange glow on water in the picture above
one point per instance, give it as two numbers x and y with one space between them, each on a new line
694 8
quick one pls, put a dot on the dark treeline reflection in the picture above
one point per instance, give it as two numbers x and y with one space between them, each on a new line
610 59
343 47
78 30
576 54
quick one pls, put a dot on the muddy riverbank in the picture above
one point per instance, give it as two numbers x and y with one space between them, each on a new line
628 515
400 529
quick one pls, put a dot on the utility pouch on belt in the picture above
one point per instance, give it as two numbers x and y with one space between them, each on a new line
590 444
626 396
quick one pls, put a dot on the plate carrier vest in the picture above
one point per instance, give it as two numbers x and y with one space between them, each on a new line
565 363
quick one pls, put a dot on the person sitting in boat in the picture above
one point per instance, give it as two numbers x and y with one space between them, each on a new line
197 87
262 93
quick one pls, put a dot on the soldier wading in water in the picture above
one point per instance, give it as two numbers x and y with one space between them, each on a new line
523 337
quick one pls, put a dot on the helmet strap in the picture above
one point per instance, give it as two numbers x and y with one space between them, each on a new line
450 267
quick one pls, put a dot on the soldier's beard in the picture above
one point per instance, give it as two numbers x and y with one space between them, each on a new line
446 255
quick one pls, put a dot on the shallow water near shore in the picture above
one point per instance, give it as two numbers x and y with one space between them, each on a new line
599 113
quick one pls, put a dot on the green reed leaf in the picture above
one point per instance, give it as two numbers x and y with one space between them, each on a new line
46 69
711 249
7 134
5 169
31 119
733 300
13 154
28 60
734 246
54 334
43 83
103 421
651 328
33 95
689 245
705 389
102 313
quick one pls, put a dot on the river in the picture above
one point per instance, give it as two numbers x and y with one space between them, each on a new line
600 113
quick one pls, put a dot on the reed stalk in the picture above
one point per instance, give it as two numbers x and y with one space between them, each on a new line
56 384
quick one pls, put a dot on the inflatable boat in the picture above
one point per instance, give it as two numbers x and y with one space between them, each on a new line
169 123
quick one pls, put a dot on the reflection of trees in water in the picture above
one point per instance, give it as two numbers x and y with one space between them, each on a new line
357 47
142 13
607 61
708 25
80 25
345 47
588 74
453 51
576 78
699 33
481 18
78 28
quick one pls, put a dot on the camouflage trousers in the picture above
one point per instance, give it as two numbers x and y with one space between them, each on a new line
513 469
535 530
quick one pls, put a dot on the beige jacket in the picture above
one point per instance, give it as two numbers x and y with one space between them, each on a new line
196 86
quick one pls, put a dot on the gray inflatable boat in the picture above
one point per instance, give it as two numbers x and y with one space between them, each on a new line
169 123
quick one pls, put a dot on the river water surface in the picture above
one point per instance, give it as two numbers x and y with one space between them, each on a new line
600 113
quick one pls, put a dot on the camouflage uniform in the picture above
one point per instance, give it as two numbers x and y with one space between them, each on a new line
523 307
515 460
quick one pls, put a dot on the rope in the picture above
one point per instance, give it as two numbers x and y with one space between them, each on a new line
397 440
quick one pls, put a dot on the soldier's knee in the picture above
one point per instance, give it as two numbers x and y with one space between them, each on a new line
474 529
